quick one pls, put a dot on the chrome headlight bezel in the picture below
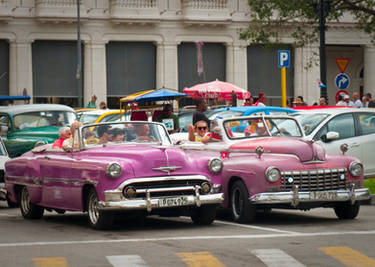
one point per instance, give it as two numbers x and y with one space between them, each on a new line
272 174
113 169
356 168
215 165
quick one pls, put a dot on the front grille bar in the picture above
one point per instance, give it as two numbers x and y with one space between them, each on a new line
314 180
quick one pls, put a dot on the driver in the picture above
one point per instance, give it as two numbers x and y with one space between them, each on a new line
143 133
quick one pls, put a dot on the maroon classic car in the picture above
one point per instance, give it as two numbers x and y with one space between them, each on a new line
110 168
268 163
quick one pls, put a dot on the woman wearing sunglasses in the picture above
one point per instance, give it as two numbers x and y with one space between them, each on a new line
198 132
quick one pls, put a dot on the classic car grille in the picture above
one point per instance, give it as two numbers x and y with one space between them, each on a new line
315 180
169 186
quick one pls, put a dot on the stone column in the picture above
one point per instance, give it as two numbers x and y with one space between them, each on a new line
369 70
160 75
305 76
20 67
170 66
230 63
240 66
95 75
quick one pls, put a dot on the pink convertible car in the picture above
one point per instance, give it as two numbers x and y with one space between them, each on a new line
268 163
112 168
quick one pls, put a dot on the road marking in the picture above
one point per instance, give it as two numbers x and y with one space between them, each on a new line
348 256
181 238
8 215
254 227
126 260
276 258
200 259
49 262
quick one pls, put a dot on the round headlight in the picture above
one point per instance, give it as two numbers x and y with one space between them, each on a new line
113 170
272 174
215 165
356 168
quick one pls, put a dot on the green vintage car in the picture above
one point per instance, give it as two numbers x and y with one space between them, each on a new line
22 127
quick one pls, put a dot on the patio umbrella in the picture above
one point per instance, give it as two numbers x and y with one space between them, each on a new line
216 90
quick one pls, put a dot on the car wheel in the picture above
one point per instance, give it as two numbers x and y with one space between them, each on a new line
346 210
28 209
204 215
11 204
98 219
242 210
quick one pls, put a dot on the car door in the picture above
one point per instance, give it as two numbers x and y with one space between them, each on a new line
55 171
344 125
366 122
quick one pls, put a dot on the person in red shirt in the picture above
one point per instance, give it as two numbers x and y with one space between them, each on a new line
261 100
64 133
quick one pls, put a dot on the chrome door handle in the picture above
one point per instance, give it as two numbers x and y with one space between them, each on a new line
354 145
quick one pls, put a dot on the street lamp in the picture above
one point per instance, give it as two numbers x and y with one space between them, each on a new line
322 8
79 63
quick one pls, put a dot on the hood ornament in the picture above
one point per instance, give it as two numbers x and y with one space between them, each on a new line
167 169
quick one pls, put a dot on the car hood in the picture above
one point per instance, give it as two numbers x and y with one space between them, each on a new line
147 160
304 150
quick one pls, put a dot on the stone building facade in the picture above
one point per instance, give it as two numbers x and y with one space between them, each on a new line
133 45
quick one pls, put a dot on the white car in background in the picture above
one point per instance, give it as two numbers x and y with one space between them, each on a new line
332 127
3 158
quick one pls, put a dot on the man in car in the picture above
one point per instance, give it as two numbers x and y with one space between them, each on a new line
201 106
169 119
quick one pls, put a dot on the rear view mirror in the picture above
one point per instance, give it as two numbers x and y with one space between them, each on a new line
3 130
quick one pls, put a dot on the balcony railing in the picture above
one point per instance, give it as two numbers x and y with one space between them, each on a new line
64 10
135 10
215 11
5 11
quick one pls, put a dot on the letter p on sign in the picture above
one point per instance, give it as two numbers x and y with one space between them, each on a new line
283 58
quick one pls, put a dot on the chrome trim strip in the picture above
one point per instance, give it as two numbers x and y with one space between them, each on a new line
295 197
153 203
35 179
26 184
38 180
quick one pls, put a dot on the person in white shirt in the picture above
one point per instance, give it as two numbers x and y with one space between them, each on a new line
357 101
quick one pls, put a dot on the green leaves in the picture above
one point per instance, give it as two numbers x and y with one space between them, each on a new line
298 19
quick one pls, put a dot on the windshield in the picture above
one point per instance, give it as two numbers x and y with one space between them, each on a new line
310 121
43 118
261 127
225 114
88 118
124 132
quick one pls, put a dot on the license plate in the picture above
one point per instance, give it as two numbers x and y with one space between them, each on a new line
323 195
173 201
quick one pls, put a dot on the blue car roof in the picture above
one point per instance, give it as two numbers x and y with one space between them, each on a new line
248 110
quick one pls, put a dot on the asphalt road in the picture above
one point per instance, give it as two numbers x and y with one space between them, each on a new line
278 238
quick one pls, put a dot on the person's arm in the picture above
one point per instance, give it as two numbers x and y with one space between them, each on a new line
191 133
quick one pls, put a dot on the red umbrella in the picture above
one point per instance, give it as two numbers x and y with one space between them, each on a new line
216 90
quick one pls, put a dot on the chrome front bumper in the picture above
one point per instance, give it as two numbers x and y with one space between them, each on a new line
153 203
295 197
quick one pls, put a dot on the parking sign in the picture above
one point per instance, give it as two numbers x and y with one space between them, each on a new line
283 58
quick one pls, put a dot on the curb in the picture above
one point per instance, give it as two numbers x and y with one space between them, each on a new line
371 201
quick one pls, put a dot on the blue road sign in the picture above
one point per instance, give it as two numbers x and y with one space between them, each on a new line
283 58
342 81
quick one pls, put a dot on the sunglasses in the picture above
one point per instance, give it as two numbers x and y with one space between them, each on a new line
202 128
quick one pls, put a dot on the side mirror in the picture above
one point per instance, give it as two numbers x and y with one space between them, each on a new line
307 128
332 136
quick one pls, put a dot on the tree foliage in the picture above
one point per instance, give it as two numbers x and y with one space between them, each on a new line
271 17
